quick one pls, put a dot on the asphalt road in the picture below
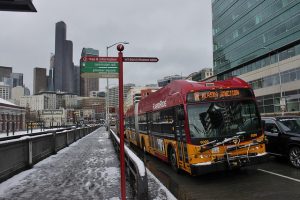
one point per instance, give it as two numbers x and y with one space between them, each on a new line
274 179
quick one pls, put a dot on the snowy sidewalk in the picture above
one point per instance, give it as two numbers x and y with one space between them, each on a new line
88 169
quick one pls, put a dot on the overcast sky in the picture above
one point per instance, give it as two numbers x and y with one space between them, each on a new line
178 32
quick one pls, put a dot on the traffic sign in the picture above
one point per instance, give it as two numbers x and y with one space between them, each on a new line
140 59
99 75
99 67
98 59
100 64
99 70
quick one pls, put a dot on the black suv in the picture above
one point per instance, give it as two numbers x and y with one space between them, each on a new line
283 134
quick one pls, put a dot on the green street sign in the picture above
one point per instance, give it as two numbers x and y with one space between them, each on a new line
100 64
96 69
99 70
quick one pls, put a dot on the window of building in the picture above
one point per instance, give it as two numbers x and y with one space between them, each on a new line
297 49
283 55
293 76
292 106
291 52
269 109
258 19
285 77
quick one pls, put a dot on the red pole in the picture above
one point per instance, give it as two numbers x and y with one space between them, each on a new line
120 48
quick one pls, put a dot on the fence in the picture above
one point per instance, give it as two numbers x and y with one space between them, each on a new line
135 167
22 153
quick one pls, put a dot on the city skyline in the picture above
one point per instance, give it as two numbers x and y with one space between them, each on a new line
181 52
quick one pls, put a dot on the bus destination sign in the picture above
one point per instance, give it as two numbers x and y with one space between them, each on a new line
218 94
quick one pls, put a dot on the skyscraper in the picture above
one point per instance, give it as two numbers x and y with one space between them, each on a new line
259 41
63 60
88 84
59 61
77 80
50 80
39 80
5 72
17 79
68 79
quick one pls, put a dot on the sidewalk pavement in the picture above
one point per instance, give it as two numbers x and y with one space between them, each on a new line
87 169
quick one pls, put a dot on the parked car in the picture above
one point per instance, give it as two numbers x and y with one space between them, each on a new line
283 135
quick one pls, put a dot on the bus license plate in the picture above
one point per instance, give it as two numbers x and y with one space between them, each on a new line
215 150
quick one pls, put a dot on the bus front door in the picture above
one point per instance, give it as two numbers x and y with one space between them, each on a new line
181 139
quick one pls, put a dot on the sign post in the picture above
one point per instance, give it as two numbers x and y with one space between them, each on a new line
120 48
112 67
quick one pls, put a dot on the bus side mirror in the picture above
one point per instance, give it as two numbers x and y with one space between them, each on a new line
180 114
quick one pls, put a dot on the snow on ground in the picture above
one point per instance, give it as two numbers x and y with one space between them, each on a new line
3 101
157 190
87 169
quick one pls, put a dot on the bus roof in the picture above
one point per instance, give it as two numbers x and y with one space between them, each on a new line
175 92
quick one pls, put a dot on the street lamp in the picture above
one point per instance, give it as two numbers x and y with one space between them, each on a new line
107 89
282 100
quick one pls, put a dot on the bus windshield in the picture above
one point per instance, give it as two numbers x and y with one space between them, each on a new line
223 119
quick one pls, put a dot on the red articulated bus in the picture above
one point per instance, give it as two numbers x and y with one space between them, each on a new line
199 127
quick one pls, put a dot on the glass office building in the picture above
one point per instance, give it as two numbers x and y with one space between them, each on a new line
259 41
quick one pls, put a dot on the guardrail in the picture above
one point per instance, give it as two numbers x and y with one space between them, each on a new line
136 168
32 134
22 153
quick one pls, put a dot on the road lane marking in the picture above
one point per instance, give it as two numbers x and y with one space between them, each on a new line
273 173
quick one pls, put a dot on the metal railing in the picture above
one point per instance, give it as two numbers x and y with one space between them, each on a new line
21 153
32 134
135 168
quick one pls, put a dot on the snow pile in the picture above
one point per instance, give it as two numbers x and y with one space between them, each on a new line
3 101
137 160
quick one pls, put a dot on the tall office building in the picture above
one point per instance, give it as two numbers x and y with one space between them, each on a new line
16 79
39 80
88 84
63 61
201 75
5 72
114 94
68 79
77 80
168 79
259 41
50 79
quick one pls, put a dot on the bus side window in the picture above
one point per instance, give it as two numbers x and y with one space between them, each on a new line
155 122
167 120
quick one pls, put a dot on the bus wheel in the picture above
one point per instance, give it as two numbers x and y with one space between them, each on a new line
173 160
294 156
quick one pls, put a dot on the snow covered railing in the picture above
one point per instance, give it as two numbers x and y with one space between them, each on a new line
135 167
22 153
